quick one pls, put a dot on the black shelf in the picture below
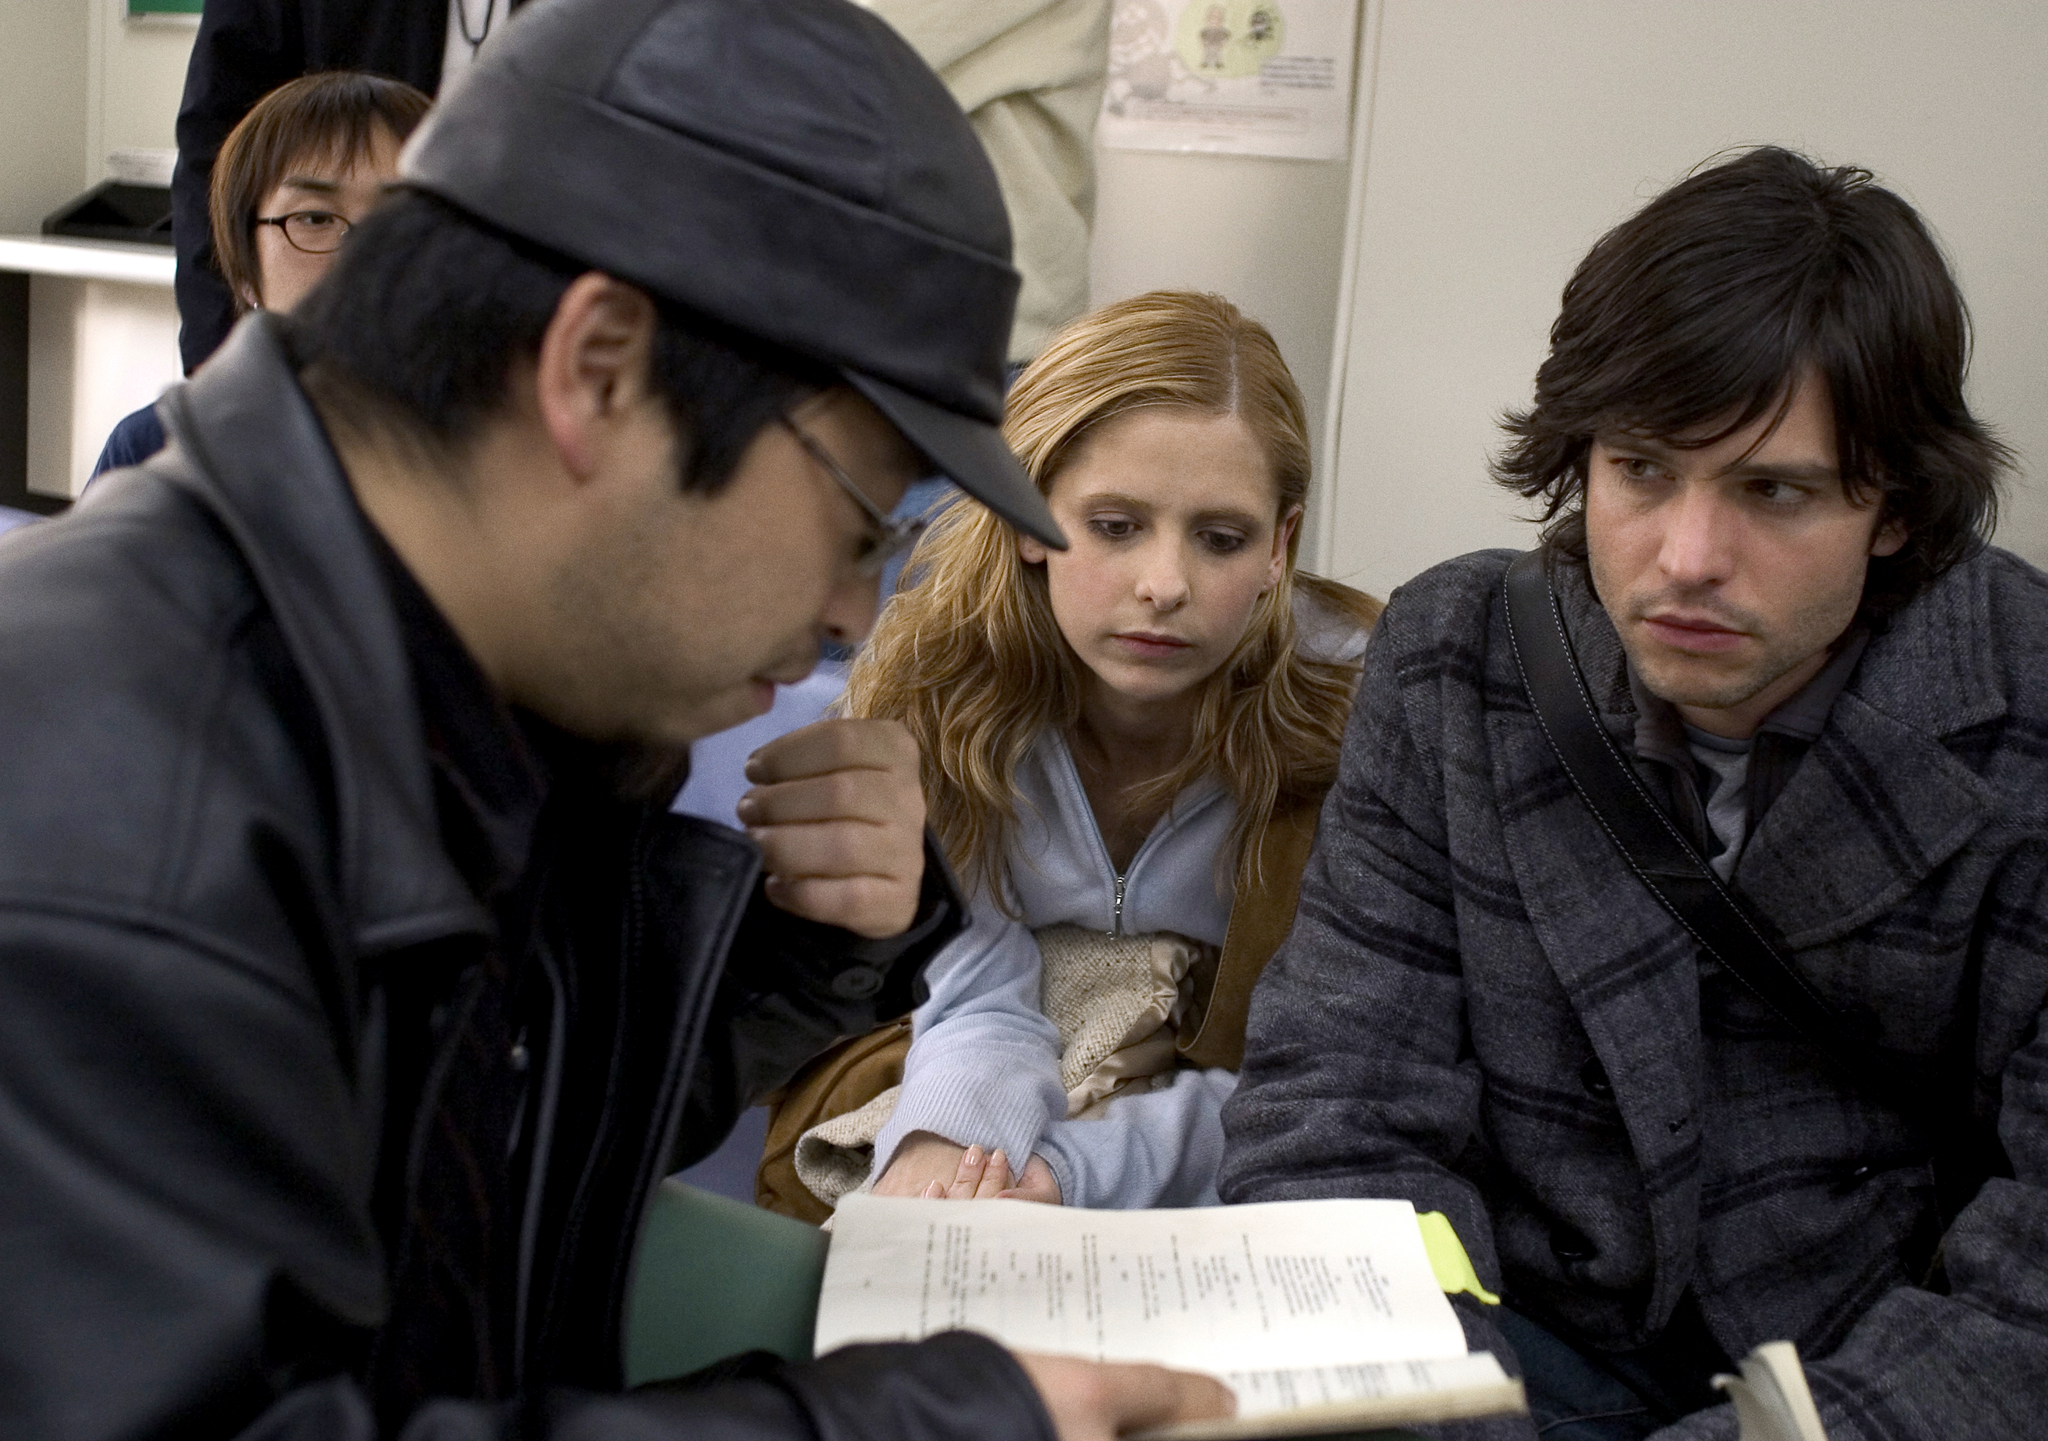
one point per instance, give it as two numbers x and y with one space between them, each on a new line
116 210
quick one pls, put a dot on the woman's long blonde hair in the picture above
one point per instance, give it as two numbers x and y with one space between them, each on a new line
969 657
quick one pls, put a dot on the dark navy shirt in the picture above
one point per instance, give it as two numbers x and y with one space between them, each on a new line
139 436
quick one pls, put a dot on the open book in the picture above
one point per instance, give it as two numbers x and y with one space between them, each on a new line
1771 1398
1323 1316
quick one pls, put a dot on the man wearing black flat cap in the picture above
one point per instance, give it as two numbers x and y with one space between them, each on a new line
356 987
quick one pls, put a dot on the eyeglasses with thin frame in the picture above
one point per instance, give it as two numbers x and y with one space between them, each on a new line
887 538
316 232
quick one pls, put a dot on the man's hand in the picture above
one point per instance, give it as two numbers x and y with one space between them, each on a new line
1090 1401
838 814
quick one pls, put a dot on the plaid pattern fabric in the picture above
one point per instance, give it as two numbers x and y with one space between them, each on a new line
1481 1010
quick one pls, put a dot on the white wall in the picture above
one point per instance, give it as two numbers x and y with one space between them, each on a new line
1266 233
42 108
77 79
1502 139
136 75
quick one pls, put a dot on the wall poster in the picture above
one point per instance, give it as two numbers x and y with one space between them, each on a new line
1238 77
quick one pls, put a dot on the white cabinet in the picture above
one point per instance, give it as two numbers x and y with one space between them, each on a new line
100 339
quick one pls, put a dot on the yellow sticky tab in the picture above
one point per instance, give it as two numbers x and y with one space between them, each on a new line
1448 1259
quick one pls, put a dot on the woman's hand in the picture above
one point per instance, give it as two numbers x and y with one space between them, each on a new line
1036 1184
976 1175
923 1159
980 1176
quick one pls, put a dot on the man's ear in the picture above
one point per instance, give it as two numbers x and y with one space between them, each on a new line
592 366
1890 535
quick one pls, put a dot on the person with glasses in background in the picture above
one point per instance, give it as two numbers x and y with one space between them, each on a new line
245 49
310 160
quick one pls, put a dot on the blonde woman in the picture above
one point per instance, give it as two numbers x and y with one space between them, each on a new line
1108 734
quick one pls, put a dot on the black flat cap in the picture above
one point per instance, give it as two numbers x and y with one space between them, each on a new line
787 167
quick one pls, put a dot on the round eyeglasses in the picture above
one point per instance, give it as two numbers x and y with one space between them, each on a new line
316 232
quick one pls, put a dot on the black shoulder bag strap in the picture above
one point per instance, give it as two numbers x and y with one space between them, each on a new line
1653 847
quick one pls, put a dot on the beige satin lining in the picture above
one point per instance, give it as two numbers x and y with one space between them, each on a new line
1118 1002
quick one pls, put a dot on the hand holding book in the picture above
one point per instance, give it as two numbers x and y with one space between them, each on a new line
1089 1401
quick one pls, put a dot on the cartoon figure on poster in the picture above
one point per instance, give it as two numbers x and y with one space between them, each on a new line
1214 35
1229 40
1247 77
1141 59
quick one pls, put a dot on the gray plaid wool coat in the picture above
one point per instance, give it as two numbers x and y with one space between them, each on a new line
1480 1010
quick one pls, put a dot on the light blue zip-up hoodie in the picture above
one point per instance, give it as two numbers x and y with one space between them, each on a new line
984 1060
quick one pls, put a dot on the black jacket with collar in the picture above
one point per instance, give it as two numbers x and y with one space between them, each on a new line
224 898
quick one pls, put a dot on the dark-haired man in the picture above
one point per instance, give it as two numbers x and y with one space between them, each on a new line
1766 499
356 987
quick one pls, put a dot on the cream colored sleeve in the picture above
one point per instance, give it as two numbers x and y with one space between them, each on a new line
1029 74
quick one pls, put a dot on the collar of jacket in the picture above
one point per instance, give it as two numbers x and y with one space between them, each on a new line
1880 800
255 453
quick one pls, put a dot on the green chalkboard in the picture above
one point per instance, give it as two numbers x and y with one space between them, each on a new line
163 7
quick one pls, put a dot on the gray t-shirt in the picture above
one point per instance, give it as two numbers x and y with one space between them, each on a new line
1715 771
1724 772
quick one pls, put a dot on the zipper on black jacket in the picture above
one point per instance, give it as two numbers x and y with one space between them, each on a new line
548 1086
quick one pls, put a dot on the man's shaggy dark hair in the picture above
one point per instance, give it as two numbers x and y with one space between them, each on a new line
1697 315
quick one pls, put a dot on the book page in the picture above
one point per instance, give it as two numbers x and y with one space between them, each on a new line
1267 1393
1344 1400
1772 1401
1276 1286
